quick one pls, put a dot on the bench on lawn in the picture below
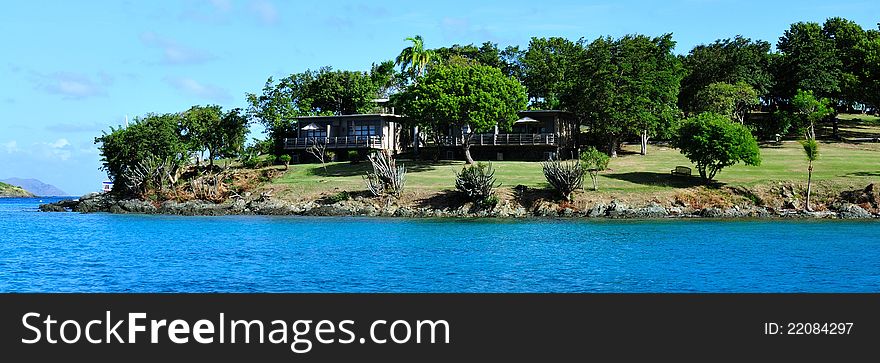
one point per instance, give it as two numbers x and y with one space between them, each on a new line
681 170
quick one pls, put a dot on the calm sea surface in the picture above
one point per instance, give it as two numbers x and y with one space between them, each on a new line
68 252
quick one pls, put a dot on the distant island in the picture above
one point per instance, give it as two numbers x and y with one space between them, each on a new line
35 187
11 191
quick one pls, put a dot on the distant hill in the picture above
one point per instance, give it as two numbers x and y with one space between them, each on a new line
12 191
36 187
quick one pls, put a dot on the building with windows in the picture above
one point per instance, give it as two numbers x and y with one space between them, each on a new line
340 134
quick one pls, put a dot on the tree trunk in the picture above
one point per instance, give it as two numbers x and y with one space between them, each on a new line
644 150
809 184
467 153
612 147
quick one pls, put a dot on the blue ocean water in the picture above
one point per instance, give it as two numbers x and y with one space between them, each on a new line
69 252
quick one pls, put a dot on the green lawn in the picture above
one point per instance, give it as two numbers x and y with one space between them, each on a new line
846 164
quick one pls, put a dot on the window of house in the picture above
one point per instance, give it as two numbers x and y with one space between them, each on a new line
320 134
363 130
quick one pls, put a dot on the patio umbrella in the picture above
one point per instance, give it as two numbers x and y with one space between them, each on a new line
310 127
526 120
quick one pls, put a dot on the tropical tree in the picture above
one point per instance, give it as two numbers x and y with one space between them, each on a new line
811 110
544 67
627 86
809 62
472 98
341 92
729 61
712 142
277 107
209 129
414 59
732 100
594 161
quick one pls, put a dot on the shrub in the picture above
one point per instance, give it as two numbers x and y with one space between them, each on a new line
477 182
593 161
270 160
338 197
712 142
564 176
250 161
387 179
354 157
285 159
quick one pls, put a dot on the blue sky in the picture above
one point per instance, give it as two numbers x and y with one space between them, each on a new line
70 69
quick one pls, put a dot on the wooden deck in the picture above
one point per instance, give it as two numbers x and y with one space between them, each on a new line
503 140
344 142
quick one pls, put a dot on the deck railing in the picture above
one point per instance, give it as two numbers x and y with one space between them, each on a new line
502 140
335 142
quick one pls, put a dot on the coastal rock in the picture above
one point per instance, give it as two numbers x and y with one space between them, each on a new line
617 210
847 210
653 210
133 206
51 207
598 210
94 202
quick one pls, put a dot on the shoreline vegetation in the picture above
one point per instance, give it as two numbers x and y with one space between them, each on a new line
735 129
636 187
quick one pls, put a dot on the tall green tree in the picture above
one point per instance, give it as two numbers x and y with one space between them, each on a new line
341 92
280 103
154 136
545 65
474 98
732 100
811 110
627 86
415 58
729 61
809 61
845 37
712 143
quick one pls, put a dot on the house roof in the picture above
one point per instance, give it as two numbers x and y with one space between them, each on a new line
348 117
544 113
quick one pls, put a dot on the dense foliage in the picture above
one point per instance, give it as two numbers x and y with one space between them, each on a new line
594 161
712 142
473 98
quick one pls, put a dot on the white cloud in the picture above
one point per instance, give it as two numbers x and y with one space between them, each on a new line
10 147
202 90
265 11
74 85
174 52
59 144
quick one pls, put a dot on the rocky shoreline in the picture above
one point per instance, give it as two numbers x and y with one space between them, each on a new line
359 206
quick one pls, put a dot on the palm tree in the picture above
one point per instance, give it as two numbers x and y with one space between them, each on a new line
811 150
414 58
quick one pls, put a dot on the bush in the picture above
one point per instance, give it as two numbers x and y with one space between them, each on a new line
250 161
387 179
564 176
712 142
270 160
477 182
354 157
338 197
285 159
593 161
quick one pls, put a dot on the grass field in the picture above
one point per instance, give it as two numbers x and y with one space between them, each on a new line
846 165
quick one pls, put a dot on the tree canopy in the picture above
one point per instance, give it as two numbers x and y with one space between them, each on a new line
712 142
626 86
473 97
731 61
731 100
